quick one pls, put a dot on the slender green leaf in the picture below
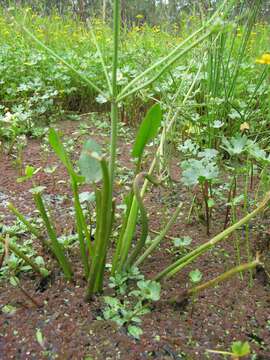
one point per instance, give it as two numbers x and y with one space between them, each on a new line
148 130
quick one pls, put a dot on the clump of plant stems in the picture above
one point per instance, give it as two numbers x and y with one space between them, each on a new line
94 167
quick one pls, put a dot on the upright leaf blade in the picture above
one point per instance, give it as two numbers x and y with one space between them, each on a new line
59 149
148 130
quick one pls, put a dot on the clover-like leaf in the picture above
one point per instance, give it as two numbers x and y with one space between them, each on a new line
195 276
240 348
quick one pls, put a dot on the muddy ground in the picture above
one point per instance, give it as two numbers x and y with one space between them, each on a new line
233 311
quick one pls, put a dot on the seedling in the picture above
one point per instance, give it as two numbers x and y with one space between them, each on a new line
238 350
29 171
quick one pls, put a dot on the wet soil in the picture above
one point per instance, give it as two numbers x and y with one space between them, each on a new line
70 329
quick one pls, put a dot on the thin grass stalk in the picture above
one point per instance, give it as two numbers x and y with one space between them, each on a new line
230 196
214 282
236 238
25 258
248 29
165 67
225 276
246 204
33 230
171 54
55 245
211 243
83 232
157 240
102 61
59 58
114 105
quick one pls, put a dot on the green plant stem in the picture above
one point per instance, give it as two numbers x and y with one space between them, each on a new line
95 278
21 255
144 218
168 59
102 61
114 105
82 229
22 218
160 236
185 294
230 195
262 175
206 198
129 225
225 276
164 68
237 241
55 245
246 203
59 58
180 263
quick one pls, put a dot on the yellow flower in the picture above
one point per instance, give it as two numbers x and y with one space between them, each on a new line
264 59
244 126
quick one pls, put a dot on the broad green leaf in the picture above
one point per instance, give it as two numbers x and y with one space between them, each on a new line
198 171
149 289
135 331
182 242
195 276
240 348
112 302
236 145
89 166
37 190
147 130
40 261
87 196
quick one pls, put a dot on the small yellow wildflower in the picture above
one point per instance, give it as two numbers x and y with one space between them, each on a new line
156 29
244 126
264 59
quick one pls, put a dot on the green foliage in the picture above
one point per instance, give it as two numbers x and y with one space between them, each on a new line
130 83
195 276
89 165
148 130
182 242
240 348
127 313
29 171
198 171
